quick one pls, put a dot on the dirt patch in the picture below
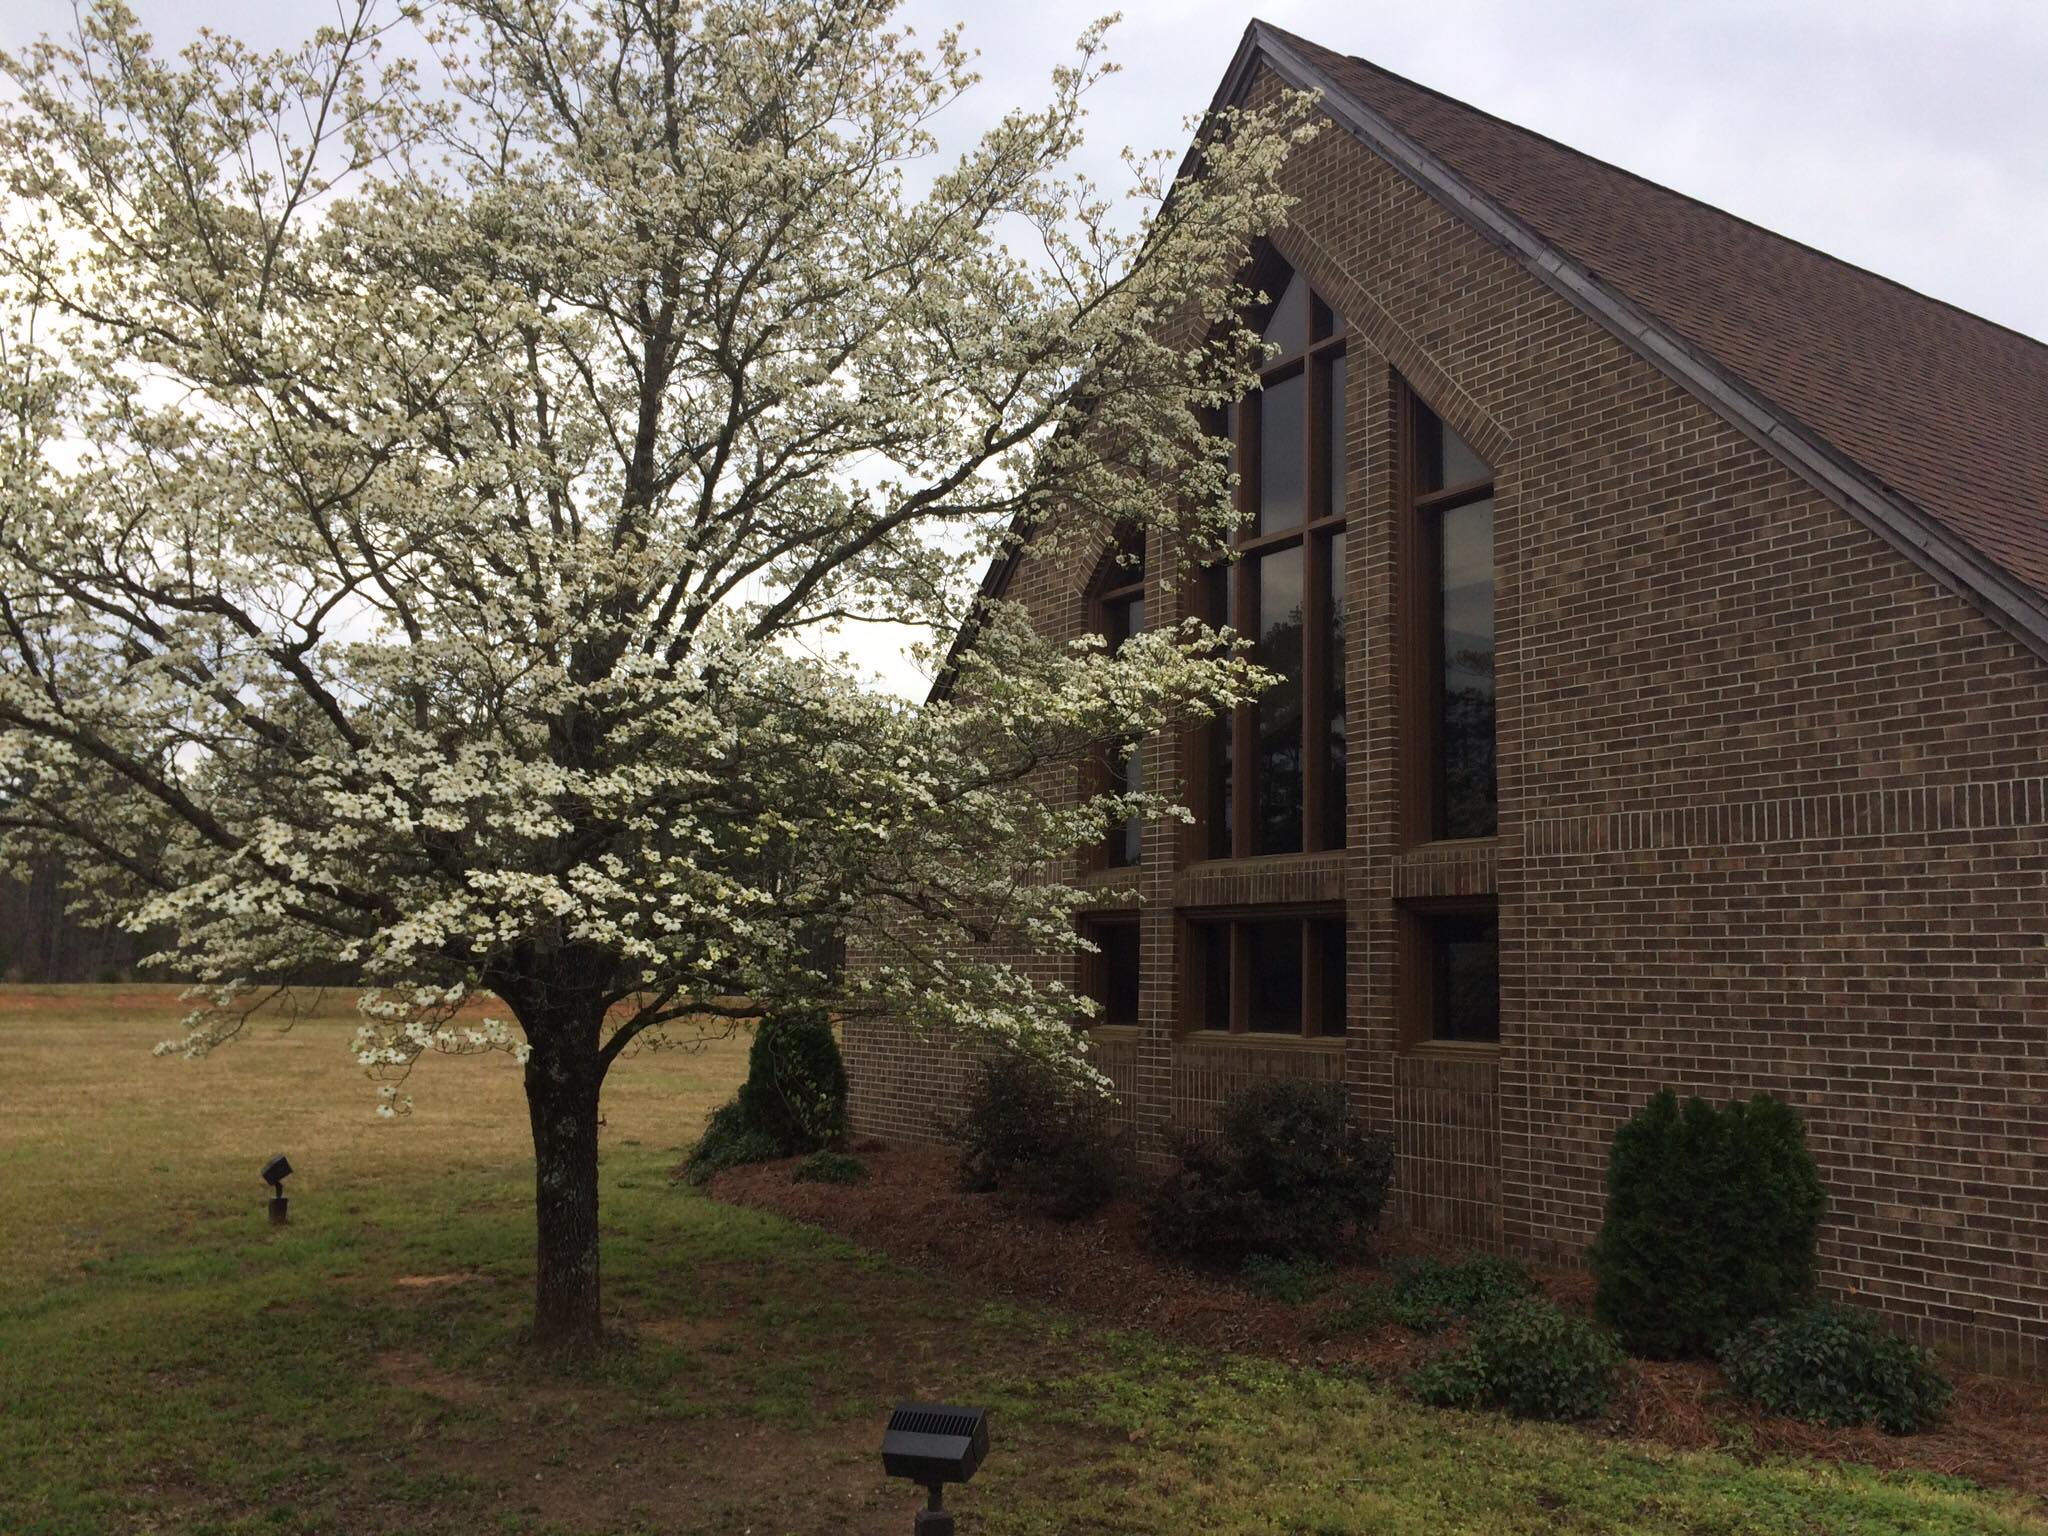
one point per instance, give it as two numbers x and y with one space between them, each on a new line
1996 1433
431 1282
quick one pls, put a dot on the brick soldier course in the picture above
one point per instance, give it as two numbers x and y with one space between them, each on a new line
1770 680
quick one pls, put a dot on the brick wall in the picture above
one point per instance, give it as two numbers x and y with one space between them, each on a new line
1772 816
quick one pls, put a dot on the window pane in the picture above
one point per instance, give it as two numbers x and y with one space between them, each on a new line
1278 827
1127 841
1465 553
1330 950
1288 327
1335 435
1467 977
1117 966
1275 957
1215 601
1446 458
1211 944
1338 743
1282 454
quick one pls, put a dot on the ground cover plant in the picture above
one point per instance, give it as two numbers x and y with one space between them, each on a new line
169 1364
1528 1357
1832 1364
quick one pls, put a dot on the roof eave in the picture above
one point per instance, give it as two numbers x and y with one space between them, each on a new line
1901 523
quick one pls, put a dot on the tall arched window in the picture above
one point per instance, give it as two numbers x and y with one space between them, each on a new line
1117 604
1275 771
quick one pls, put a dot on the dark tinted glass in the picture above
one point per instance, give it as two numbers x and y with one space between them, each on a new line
1274 952
1330 956
1465 586
1467 952
1211 943
1288 327
1334 435
1446 459
1118 967
1215 598
1338 742
1127 841
1282 454
1279 707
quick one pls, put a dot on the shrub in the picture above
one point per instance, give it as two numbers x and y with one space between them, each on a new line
1292 1281
1529 1358
793 1099
1286 1176
1428 1295
830 1168
1836 1365
1034 1131
1712 1220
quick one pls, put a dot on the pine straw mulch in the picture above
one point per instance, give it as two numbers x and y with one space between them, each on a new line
1996 1432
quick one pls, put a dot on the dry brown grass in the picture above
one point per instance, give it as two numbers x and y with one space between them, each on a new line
102 1143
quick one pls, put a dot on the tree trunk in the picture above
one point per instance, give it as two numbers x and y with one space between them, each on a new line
561 1098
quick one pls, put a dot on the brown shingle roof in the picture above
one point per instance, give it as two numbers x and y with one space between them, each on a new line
1946 411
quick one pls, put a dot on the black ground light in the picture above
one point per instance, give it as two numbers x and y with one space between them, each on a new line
933 1444
275 1172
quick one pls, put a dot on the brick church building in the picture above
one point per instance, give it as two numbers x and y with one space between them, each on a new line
1663 607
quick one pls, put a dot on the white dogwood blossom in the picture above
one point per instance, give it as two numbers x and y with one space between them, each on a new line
420 488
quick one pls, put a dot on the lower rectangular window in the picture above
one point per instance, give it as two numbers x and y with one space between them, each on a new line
1271 975
1109 977
1453 981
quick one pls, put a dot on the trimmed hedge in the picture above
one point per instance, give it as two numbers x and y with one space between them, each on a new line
1713 1215
1836 1365
793 1099
1035 1132
1286 1177
1529 1358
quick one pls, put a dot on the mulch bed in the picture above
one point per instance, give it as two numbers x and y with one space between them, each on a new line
1996 1432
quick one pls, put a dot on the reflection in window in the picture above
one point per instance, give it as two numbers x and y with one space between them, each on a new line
1463 976
1284 974
1271 780
1279 707
1450 623
1110 976
1120 614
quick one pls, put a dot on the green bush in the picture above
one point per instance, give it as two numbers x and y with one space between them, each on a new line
830 1168
1528 1358
793 1099
1428 1295
1836 1365
1287 1176
1292 1281
1034 1131
1712 1219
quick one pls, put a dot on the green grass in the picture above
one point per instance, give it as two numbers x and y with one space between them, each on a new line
168 1363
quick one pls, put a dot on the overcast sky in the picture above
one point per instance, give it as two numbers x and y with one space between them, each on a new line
1907 136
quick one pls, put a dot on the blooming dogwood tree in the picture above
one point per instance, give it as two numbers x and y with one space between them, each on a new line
429 487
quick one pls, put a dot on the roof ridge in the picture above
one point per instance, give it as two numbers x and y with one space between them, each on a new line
1658 186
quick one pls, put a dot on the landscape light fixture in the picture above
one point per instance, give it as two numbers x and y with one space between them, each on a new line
275 1172
934 1444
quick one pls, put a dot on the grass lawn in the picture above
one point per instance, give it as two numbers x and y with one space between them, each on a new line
167 1363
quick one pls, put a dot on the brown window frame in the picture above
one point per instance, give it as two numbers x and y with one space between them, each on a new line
1420 1005
1317 923
1323 516
1418 625
1115 581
